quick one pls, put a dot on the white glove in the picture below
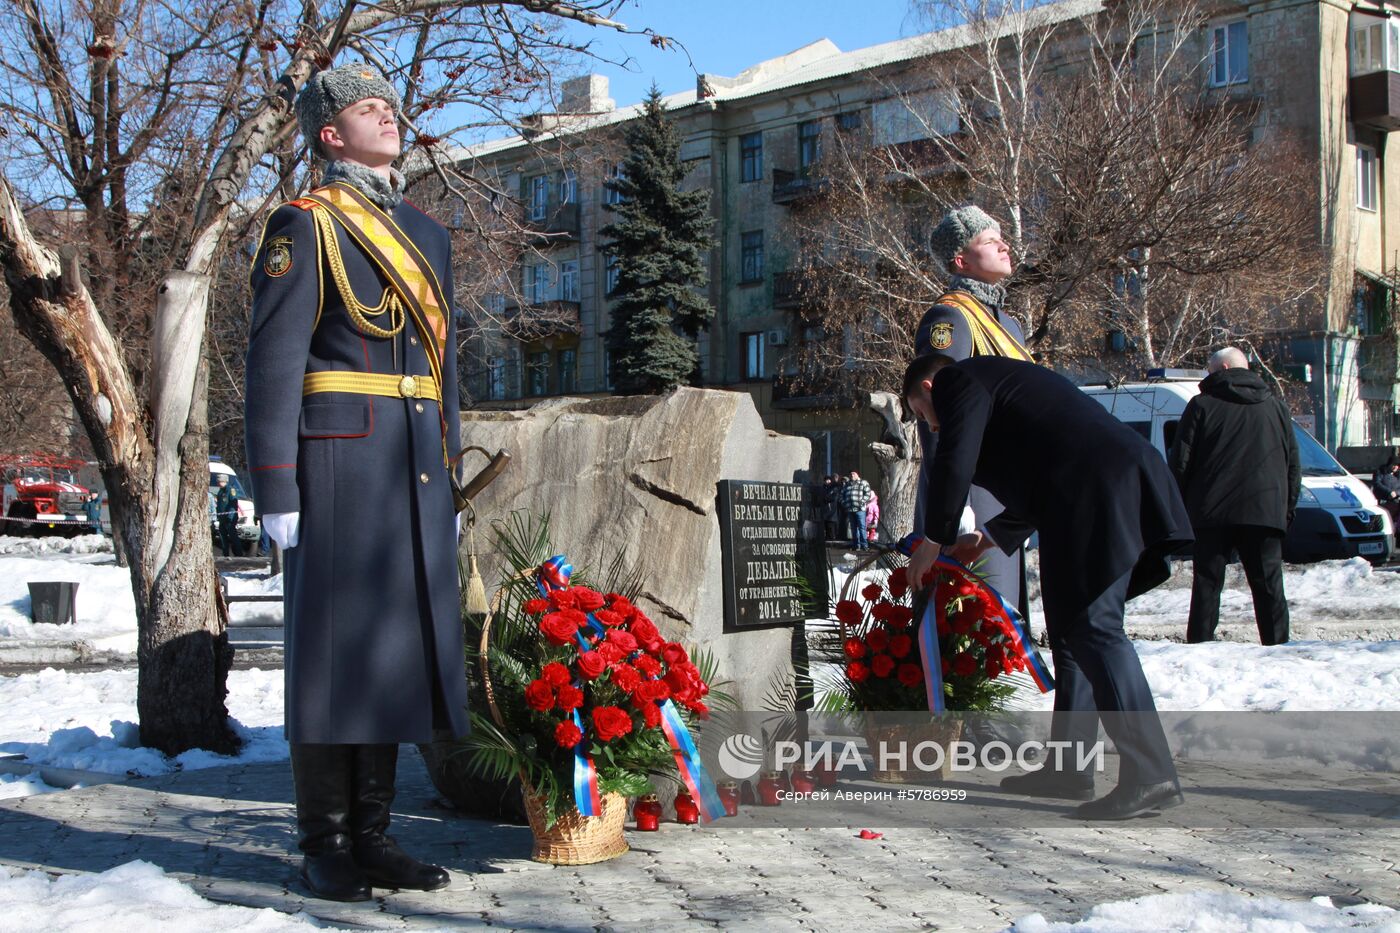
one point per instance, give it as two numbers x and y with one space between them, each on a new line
283 527
459 526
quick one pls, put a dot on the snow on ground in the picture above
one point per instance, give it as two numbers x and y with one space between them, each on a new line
136 897
55 544
87 722
1218 912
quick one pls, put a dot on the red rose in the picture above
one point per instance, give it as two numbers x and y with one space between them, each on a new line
610 722
567 735
681 687
899 582
623 640
964 664
626 678
651 715
644 631
848 612
539 695
857 672
654 691
535 606
674 654
648 665
877 640
558 629
610 652
587 599
563 599
872 592
608 617
569 699
911 675
854 648
556 674
901 645
882 665
701 710
900 617
591 664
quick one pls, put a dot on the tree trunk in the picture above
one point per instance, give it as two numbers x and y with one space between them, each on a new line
157 483
897 454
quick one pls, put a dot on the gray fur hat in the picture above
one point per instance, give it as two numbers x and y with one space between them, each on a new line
331 91
956 229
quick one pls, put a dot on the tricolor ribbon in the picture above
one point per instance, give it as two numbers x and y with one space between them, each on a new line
554 574
1021 642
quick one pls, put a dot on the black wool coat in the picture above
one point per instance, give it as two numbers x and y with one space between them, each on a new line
1235 454
1100 496
373 626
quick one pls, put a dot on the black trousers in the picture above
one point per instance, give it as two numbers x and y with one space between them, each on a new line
1098 677
1261 552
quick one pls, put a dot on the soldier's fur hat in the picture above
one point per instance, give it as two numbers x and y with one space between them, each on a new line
331 91
956 230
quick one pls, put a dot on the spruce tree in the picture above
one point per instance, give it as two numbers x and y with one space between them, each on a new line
658 240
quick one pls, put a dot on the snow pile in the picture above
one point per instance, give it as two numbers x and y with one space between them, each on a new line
105 609
55 544
23 785
87 722
1211 912
134 896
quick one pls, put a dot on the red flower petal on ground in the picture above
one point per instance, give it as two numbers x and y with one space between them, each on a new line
567 735
556 674
854 648
569 699
901 645
910 675
539 695
869 834
872 591
848 612
591 664
857 672
610 722
882 665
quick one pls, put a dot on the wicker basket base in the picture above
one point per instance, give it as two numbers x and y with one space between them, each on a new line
940 732
578 840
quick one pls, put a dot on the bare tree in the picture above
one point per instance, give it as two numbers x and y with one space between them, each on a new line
169 128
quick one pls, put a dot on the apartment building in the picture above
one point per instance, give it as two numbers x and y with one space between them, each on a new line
1330 70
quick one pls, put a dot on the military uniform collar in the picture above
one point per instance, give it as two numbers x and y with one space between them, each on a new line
991 296
386 193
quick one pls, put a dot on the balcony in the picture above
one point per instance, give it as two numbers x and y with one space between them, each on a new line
558 225
533 321
1375 100
789 187
1378 361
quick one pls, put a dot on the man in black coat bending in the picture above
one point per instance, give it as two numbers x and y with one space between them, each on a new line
1236 459
1108 514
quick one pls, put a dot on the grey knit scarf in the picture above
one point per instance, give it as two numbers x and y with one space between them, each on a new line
386 193
990 295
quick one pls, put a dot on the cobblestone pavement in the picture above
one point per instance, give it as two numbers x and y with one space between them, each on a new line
228 832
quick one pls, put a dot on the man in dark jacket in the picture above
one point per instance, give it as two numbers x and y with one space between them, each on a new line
351 410
1386 486
1236 459
1108 514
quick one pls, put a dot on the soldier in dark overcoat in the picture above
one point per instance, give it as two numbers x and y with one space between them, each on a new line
1108 512
349 419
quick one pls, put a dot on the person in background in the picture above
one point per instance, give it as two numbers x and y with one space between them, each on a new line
1386 485
226 510
872 518
1236 460
855 496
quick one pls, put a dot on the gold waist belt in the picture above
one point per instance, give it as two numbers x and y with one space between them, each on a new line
372 384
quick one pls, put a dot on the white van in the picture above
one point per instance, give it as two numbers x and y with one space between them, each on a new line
249 531
1337 515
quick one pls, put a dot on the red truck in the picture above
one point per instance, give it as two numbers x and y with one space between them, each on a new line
41 497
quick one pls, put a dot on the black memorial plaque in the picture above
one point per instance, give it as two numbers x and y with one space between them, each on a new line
774 561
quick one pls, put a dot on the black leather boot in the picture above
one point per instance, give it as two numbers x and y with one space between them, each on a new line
322 776
376 853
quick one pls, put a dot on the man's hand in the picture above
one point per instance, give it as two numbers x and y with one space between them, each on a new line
284 528
921 562
970 546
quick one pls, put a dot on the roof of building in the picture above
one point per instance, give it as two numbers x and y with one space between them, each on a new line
817 61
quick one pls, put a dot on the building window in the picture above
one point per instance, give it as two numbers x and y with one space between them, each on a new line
539 197
568 280
751 157
1365 178
753 355
610 272
849 121
751 256
568 371
608 369
537 373
809 145
537 284
610 196
568 187
496 378
1378 420
1229 53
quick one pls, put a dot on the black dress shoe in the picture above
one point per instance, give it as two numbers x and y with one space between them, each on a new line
335 877
1127 801
385 865
1045 783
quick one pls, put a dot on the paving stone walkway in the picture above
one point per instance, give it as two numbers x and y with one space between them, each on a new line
228 833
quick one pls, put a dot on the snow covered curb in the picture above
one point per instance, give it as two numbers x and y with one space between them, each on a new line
1218 912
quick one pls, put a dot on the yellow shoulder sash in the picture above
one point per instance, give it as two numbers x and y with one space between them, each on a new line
989 337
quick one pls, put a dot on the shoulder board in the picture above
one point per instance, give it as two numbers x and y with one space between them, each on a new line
305 204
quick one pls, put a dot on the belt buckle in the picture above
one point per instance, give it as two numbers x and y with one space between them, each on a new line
408 387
